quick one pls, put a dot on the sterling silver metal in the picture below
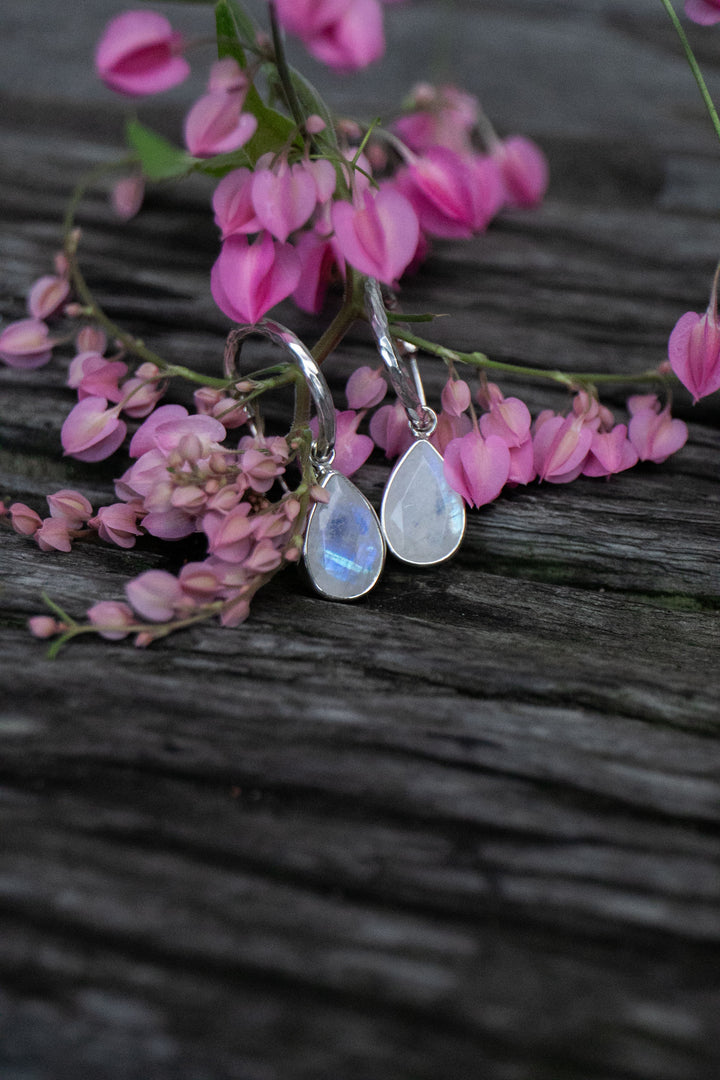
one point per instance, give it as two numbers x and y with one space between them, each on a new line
422 518
344 547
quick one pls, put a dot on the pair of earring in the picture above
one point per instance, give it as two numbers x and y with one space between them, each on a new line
422 520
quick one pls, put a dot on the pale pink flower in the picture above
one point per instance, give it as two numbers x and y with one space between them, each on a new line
199 582
694 348
111 619
704 12
509 418
53 535
71 507
47 296
380 236
610 452
284 198
344 34
139 54
365 388
141 393
117 524
229 535
455 396
127 195
232 203
216 124
477 468
654 434
263 558
235 611
92 375
389 429
249 279
91 431
44 626
24 520
26 344
156 595
144 438
524 170
91 339
560 447
262 462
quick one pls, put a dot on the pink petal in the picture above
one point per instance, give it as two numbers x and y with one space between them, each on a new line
283 200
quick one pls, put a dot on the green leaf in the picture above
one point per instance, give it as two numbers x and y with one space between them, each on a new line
228 34
244 25
160 160
222 164
311 102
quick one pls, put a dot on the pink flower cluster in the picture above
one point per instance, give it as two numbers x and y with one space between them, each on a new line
504 446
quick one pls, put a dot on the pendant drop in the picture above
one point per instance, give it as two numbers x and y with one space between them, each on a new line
344 549
423 519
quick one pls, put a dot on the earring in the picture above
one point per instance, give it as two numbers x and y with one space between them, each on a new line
422 518
344 548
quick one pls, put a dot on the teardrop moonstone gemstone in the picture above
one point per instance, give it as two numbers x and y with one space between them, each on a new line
344 549
423 519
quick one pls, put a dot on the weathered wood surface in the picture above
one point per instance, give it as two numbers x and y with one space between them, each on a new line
468 827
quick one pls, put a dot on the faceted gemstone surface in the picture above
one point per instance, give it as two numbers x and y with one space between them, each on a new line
422 517
344 547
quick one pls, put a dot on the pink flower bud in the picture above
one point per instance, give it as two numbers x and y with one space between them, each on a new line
455 396
155 595
53 535
26 344
24 520
199 582
47 296
70 507
127 196
112 619
314 124
365 388
91 339
524 170
44 626
138 54
232 203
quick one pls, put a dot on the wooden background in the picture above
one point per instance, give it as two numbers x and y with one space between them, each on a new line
469 826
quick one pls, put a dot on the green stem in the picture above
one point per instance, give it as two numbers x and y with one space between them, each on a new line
694 66
571 379
284 70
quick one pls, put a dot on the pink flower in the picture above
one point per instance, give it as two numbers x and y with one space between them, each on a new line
127 196
560 446
249 279
654 434
144 438
138 54
610 452
694 348
26 344
455 396
449 427
24 520
117 524
216 123
440 186
94 376
47 296
91 339
283 198
91 431
380 236
199 582
141 393
232 203
344 34
351 449
524 170
477 468
365 388
446 117
229 535
156 595
71 507
317 266
390 430
704 12
112 619
53 535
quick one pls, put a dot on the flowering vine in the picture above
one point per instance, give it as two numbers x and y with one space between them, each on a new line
303 203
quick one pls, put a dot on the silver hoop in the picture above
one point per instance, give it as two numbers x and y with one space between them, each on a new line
408 387
323 447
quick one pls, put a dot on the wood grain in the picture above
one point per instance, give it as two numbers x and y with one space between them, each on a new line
468 827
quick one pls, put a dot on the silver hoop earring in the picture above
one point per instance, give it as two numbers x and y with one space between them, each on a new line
344 548
422 518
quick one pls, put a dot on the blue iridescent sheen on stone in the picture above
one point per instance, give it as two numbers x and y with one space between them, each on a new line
344 548
423 519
